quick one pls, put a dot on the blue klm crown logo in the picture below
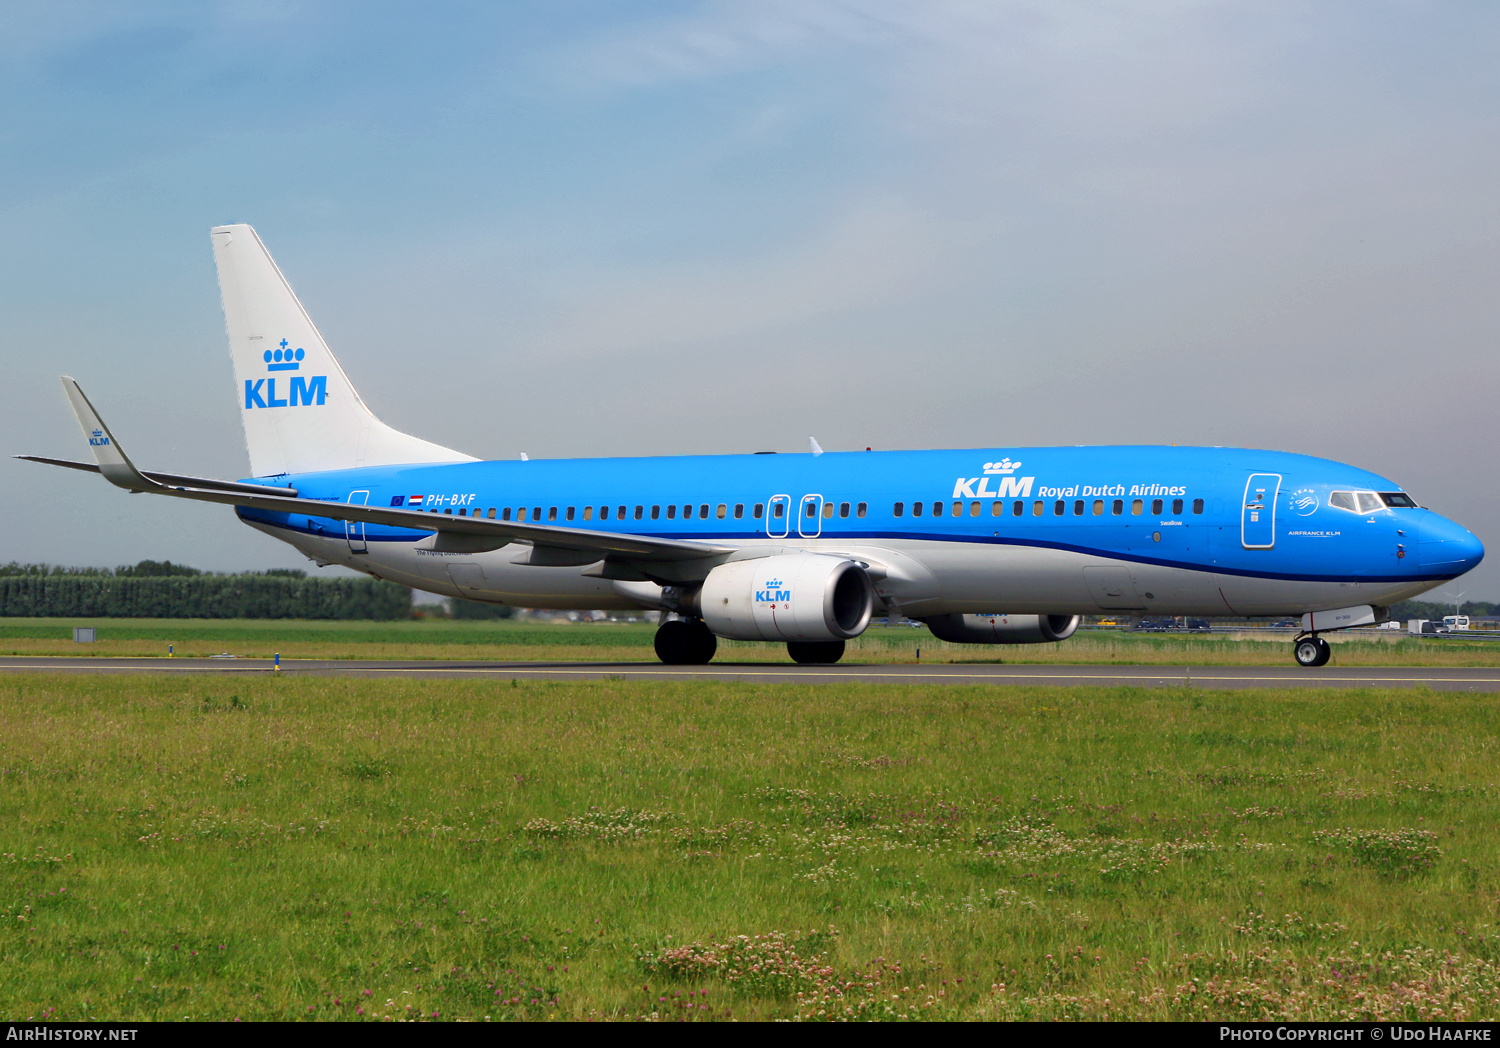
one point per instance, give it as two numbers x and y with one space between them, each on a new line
773 593
283 359
304 392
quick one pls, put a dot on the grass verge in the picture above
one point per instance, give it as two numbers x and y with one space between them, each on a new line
352 849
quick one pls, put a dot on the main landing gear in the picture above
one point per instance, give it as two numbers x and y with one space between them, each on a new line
1311 650
685 642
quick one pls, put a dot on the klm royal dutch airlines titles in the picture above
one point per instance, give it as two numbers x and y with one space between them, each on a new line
985 546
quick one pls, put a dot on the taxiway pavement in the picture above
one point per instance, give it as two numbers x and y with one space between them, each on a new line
1445 679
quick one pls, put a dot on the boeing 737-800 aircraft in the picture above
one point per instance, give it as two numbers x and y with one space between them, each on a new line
999 545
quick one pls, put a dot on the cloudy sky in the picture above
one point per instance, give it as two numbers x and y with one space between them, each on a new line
587 228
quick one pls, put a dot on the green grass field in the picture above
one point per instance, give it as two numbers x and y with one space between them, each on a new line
350 849
527 641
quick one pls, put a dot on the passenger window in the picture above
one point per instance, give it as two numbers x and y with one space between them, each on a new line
1137 507
937 509
671 512
1197 505
1156 507
505 513
655 512
898 509
1098 507
843 509
916 509
1368 503
739 511
570 512
1177 507
1118 507
827 510
1078 508
588 512
722 511
757 511
1017 508
703 511
859 511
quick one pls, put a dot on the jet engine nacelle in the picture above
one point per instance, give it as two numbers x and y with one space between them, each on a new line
1002 629
807 597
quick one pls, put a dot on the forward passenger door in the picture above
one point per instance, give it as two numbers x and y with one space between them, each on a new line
1258 511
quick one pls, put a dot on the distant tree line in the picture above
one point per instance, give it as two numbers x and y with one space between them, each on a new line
163 590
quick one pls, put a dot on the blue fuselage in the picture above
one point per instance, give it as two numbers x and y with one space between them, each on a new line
1214 530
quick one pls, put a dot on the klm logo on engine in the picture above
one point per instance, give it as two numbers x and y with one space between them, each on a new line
301 392
773 593
1011 486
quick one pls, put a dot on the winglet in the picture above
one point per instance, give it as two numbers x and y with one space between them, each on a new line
113 462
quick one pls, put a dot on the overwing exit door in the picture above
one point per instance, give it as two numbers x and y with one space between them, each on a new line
810 517
778 516
1258 511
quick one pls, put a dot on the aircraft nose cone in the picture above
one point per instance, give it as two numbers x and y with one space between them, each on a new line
1448 549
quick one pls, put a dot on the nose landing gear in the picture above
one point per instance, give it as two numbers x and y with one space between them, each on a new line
1311 651
685 642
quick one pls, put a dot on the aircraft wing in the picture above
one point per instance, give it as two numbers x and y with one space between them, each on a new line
174 480
467 534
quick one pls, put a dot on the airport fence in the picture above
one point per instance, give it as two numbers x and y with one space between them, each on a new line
202 597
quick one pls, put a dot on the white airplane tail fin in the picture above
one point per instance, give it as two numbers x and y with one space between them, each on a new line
300 411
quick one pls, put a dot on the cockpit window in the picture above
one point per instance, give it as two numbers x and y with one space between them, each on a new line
1368 501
